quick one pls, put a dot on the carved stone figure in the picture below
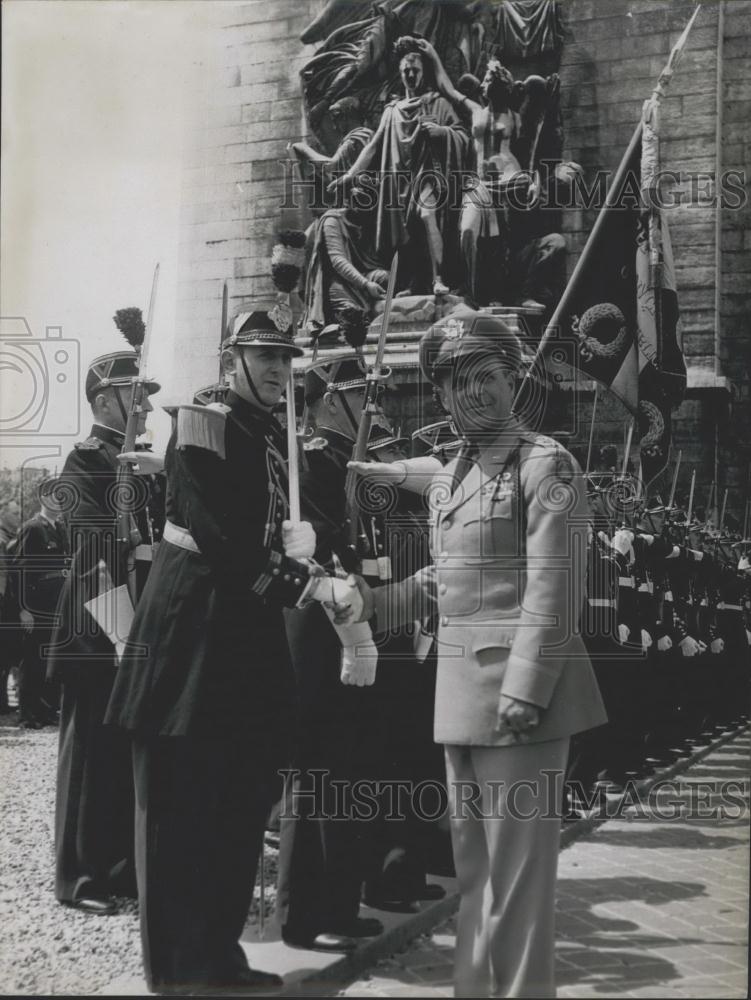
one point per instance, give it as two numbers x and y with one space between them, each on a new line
317 168
514 126
419 144
344 279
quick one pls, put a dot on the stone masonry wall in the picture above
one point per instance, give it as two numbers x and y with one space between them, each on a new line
611 59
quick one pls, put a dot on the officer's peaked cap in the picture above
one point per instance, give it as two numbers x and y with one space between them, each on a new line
270 326
119 369
463 333
339 375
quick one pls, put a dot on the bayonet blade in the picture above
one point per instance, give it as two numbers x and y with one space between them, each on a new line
144 357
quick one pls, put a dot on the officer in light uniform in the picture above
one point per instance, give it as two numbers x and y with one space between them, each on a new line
514 679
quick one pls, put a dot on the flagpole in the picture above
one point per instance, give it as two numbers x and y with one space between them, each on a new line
610 200
591 432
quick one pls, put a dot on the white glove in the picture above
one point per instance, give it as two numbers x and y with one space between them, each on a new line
145 463
298 539
646 640
744 565
359 653
331 590
664 643
623 633
689 646
748 637
622 541
717 645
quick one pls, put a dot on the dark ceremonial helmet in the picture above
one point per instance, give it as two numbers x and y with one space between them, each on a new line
466 333
210 394
120 368
384 437
264 327
339 375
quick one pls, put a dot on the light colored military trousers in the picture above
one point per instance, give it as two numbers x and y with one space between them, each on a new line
505 828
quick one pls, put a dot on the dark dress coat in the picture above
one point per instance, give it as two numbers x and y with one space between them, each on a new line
94 803
206 690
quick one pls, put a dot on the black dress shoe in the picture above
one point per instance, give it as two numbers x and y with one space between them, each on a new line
384 900
360 927
93 904
319 942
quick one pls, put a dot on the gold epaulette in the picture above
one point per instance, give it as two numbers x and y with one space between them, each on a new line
202 426
90 444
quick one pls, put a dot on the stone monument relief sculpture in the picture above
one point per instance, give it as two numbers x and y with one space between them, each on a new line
422 141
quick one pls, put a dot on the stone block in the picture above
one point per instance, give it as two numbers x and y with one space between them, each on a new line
260 112
263 72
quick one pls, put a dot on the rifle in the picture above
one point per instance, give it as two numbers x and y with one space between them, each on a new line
127 530
370 407
671 501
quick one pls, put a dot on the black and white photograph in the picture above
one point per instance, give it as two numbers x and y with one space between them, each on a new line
375 498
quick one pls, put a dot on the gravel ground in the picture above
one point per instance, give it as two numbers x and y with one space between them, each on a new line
46 948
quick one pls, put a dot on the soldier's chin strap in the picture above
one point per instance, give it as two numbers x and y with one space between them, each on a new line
123 411
251 383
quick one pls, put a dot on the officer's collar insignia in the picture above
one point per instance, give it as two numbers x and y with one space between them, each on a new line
281 317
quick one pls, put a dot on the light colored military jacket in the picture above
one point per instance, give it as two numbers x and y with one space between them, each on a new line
509 546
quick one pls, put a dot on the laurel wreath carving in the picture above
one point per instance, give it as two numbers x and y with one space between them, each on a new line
593 330
651 442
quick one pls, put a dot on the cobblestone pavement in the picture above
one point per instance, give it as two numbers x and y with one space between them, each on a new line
648 906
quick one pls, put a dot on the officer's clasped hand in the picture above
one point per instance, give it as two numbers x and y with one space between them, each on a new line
341 597
298 539
517 717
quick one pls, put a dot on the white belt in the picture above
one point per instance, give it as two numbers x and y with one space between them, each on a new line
626 581
179 536
143 553
369 567
728 607
601 602
646 588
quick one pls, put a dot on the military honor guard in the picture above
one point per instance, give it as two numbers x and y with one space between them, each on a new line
94 804
41 564
514 680
206 688
323 861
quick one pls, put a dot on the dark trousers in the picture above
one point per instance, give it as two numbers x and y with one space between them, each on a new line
201 809
323 860
94 803
36 697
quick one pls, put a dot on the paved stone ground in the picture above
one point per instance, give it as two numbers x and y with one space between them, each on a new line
647 906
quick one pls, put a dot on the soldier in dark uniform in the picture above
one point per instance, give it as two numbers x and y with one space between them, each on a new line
41 563
94 805
408 847
322 861
206 687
